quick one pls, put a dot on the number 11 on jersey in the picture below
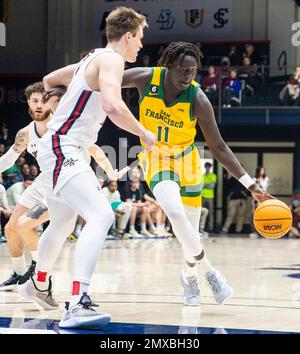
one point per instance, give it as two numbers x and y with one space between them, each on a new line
163 134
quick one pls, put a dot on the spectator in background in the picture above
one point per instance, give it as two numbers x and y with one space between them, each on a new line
14 192
20 161
133 195
236 205
25 170
34 170
225 67
263 181
204 214
232 90
80 222
261 178
147 198
211 84
5 137
11 176
249 51
295 229
146 61
156 213
208 194
121 209
4 209
2 149
290 94
248 73
234 55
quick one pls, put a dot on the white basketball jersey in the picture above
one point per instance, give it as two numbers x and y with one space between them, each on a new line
34 138
79 115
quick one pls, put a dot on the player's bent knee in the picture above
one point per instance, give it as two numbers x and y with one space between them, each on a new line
11 228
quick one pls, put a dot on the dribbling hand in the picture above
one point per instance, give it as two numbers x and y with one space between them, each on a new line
259 195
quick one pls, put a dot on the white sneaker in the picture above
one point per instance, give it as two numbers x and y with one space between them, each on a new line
146 233
253 235
83 315
191 292
29 290
163 233
219 287
133 233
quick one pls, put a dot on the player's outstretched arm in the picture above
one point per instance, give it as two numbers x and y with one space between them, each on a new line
136 77
221 152
98 154
60 77
111 69
20 144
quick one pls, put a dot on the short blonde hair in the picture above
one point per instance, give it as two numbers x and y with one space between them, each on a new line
122 20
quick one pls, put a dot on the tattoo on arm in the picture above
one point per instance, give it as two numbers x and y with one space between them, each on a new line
19 145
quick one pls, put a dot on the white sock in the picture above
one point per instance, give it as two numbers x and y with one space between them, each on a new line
190 272
152 228
143 226
160 227
41 280
34 255
205 265
78 229
132 228
19 264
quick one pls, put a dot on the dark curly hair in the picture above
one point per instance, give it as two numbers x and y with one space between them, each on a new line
175 49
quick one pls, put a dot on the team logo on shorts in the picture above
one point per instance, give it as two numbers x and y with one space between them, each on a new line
69 162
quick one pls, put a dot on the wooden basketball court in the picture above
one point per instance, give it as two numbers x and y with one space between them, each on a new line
137 281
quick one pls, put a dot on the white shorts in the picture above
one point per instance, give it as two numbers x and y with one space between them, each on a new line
34 194
61 164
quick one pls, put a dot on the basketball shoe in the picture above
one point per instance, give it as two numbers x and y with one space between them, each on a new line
191 292
83 315
219 287
28 289
11 283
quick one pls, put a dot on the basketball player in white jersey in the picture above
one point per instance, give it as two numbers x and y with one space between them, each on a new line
94 91
31 210
26 138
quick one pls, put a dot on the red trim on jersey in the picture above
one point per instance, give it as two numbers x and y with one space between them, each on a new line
63 130
76 113
59 158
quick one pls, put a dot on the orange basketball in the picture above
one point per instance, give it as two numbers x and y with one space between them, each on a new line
272 218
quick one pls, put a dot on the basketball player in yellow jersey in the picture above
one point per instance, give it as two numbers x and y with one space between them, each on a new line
171 104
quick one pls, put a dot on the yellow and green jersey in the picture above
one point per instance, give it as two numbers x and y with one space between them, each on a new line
173 124
175 157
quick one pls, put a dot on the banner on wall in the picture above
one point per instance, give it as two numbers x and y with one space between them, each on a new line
175 19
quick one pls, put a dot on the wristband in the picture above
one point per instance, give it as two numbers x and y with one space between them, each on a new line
246 180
